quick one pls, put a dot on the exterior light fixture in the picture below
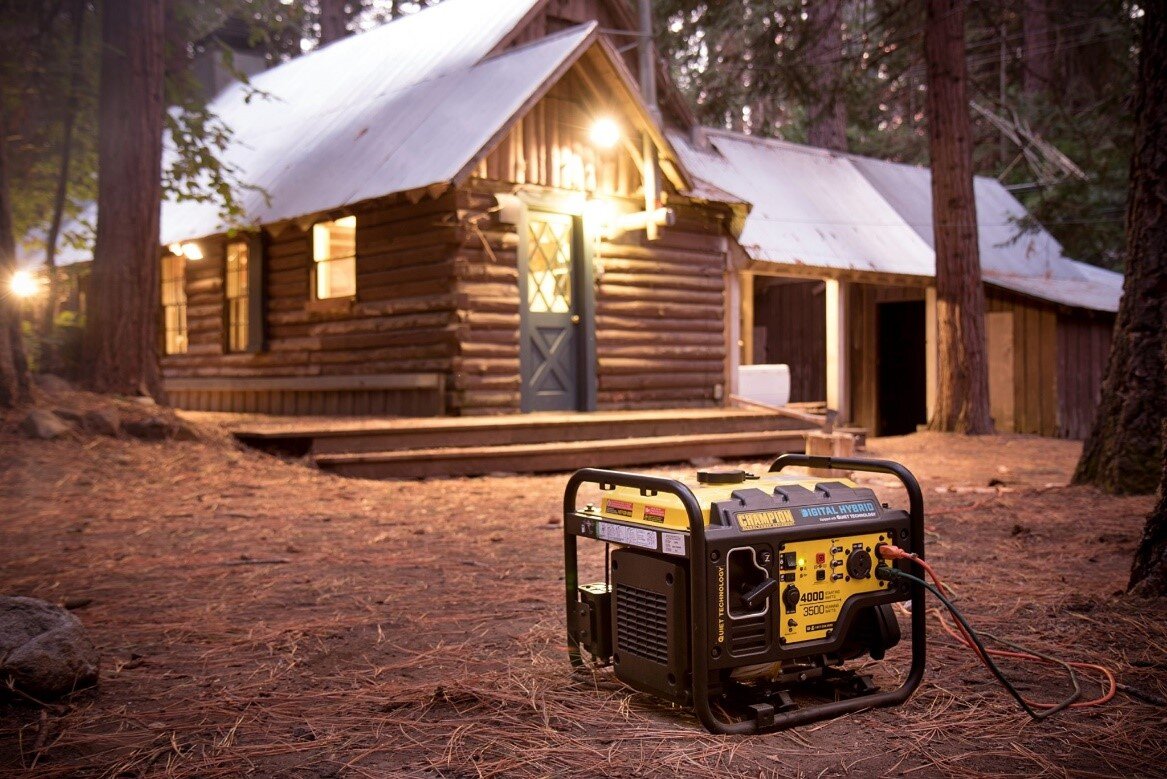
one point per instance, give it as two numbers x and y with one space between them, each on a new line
604 133
24 284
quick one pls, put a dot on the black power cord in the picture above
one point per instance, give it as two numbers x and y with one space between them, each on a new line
889 573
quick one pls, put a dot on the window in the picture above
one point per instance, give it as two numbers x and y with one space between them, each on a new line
237 296
174 303
334 249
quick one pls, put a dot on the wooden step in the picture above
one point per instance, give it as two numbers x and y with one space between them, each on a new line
346 436
555 456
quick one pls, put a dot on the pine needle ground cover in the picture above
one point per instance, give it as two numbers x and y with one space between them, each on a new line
259 618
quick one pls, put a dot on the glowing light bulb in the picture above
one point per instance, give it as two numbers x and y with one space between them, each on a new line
605 133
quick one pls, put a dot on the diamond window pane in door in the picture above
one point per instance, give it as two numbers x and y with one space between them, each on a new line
549 266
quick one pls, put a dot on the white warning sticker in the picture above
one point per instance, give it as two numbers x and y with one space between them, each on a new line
672 543
622 534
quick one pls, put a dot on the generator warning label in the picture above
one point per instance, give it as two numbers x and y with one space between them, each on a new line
764 520
654 514
672 543
620 508
630 536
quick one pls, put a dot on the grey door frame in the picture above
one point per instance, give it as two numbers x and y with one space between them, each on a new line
583 301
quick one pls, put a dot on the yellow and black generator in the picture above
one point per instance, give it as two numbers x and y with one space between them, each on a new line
738 593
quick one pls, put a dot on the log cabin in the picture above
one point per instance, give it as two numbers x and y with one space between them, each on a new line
493 207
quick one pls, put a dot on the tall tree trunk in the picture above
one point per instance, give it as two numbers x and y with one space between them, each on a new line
14 389
826 111
333 21
962 398
122 327
49 356
1036 50
1149 569
1124 450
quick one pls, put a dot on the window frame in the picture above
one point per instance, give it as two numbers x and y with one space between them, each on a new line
174 340
314 275
242 303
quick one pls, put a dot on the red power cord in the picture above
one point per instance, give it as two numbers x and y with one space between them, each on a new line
892 552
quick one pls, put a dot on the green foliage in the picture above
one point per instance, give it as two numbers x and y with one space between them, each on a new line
743 65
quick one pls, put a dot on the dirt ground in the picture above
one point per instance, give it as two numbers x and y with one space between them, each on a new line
259 618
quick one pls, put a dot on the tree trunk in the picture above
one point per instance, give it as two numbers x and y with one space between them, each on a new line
49 356
826 111
333 21
1149 569
962 398
14 389
1124 450
122 326
1036 50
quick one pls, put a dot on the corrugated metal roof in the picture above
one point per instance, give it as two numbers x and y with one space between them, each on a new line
397 108
835 211
810 207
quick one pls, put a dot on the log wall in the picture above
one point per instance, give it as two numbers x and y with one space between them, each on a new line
403 320
794 316
660 314
1083 350
550 147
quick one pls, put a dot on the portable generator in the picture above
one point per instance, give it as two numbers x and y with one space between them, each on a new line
737 594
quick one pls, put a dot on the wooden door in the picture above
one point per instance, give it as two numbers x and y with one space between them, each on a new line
550 323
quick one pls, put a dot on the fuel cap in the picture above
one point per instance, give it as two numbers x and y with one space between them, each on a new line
724 476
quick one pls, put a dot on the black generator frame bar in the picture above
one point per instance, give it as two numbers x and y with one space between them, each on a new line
697 595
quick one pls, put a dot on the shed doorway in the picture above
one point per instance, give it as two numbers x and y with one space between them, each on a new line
552 330
901 378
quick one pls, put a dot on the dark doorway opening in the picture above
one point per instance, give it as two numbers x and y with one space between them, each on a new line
901 389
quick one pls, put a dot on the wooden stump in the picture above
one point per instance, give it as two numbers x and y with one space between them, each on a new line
829 445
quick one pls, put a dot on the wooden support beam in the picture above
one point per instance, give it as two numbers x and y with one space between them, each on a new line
931 341
746 335
837 352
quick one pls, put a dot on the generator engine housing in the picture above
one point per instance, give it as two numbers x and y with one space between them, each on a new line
738 591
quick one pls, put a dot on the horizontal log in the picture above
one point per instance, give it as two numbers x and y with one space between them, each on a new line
485 399
469 271
438 269
657 395
495 382
508 292
622 265
208 284
413 336
635 405
437 320
614 339
609 366
390 355
472 350
486 365
663 281
664 351
399 381
642 317
671 255
485 320
611 292
410 290
658 310
658 380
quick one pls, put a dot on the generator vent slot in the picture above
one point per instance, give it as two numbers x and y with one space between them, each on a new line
642 623
748 637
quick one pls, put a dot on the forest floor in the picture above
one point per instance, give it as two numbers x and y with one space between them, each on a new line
259 618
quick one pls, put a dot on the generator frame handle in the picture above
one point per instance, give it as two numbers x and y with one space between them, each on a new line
698 604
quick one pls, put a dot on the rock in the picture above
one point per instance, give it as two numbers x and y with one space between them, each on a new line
181 431
149 429
43 425
51 383
102 421
44 650
69 415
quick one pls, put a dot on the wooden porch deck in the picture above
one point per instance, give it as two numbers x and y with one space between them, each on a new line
528 443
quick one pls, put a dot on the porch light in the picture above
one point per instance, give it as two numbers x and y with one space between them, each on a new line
605 133
24 284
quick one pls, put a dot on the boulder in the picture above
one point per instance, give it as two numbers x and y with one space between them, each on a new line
103 421
43 424
45 651
149 429
51 383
